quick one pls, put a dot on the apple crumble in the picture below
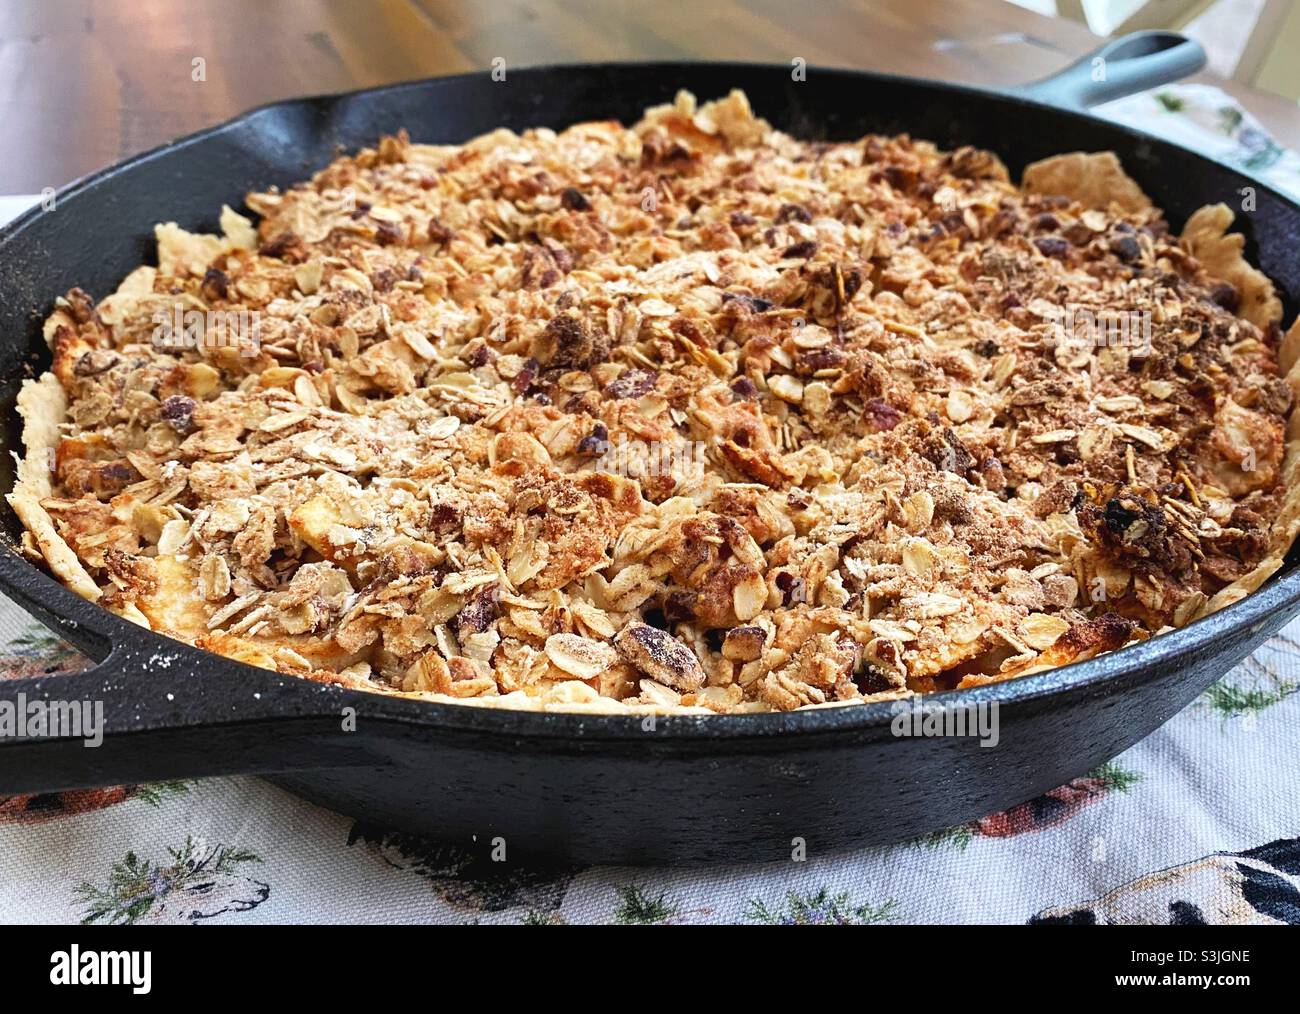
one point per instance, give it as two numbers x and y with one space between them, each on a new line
688 415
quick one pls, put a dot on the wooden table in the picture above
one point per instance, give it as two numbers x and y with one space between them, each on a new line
84 83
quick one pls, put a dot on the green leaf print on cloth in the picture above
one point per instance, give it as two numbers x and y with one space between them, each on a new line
198 883
1256 684
637 908
820 909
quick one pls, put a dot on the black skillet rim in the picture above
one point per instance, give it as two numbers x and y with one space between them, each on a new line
117 637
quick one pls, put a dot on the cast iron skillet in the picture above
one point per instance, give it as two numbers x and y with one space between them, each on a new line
599 788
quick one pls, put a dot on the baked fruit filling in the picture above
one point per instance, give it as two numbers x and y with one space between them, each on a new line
688 415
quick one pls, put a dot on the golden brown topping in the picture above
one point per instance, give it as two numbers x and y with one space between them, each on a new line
686 415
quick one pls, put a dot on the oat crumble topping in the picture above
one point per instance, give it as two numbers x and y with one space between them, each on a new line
876 469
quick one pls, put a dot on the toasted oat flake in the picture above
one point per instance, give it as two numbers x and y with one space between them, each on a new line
749 596
657 308
1143 434
786 388
579 656
1054 437
1041 630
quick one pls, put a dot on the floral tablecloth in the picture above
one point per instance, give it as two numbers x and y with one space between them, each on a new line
1200 821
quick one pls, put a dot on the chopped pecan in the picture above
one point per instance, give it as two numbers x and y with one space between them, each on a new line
660 656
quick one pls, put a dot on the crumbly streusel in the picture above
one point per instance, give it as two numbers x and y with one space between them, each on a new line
692 414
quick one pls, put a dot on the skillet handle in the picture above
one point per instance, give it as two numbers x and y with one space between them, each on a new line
159 709
1130 64
113 727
